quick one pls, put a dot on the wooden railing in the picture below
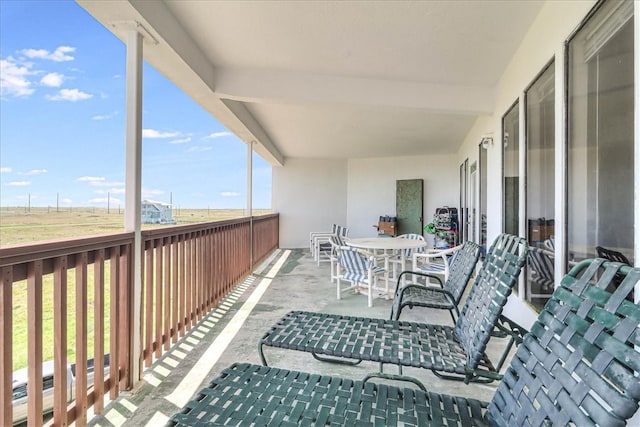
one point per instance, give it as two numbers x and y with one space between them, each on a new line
186 271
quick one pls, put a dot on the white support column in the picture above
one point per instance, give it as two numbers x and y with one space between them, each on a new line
560 166
250 199
250 178
133 182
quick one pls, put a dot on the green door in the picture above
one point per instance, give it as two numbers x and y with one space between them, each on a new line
409 205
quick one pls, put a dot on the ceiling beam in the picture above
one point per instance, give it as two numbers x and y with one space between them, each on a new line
266 148
283 87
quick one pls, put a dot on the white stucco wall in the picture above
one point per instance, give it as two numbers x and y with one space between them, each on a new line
372 187
310 195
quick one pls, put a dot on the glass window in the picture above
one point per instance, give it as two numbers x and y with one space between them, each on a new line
600 135
540 185
511 170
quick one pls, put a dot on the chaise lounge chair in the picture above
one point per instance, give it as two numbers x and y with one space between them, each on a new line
453 352
445 297
578 366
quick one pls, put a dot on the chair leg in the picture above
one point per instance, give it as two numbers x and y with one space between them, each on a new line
370 293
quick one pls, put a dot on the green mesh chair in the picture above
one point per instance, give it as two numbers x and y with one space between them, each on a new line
452 352
445 297
579 365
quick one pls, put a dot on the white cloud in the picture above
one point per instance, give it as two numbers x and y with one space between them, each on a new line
218 135
198 149
18 183
91 178
229 194
72 95
66 201
156 134
13 78
58 55
34 172
52 80
181 141
5 169
105 116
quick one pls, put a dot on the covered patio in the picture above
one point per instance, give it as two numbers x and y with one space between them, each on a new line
344 99
230 333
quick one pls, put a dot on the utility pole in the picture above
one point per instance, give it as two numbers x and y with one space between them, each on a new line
57 202
108 202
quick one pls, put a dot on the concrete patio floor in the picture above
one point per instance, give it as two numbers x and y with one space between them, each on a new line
288 280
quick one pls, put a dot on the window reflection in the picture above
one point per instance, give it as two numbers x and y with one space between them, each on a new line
600 143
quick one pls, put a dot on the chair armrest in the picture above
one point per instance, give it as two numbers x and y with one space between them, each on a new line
418 273
433 253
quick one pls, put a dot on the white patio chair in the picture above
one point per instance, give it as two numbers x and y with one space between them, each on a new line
362 271
540 265
314 235
433 261
323 246
336 242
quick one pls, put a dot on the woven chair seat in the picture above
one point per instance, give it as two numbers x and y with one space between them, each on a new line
448 296
420 345
247 394
425 296
361 276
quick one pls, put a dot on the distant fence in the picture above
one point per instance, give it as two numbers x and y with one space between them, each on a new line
186 271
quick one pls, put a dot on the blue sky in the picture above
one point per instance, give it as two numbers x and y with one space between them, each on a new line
62 122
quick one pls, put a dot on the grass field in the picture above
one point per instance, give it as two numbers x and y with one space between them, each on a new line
18 225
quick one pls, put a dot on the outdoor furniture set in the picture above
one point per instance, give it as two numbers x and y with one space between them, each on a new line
578 365
363 261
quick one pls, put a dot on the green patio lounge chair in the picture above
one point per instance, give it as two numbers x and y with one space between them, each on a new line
578 366
452 352
445 297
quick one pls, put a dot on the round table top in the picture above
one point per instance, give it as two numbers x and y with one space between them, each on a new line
383 243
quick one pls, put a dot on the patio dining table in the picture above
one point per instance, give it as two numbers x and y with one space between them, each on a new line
388 245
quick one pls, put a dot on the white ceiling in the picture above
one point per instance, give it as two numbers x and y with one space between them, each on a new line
326 79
